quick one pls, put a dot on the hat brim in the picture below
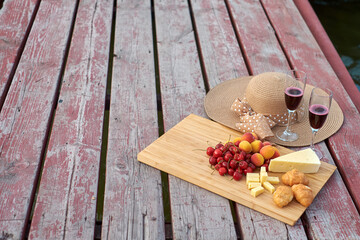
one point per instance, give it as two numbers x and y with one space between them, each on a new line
219 99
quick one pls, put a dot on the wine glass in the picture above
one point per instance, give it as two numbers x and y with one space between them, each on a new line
319 106
294 88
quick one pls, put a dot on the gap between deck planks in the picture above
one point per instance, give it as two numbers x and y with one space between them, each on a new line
133 207
195 212
16 19
28 109
66 205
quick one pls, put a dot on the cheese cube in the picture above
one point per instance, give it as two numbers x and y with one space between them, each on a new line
305 161
252 185
257 191
273 180
262 169
252 177
263 176
269 187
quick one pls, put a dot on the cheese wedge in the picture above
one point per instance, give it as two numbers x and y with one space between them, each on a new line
257 191
305 161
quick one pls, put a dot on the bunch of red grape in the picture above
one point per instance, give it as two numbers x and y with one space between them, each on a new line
235 160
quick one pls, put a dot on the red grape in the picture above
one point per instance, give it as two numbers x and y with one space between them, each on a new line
217 153
248 170
219 159
237 176
233 164
233 149
228 156
243 165
212 161
222 171
210 151
217 167
219 145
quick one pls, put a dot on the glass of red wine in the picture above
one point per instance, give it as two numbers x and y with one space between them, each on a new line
319 106
294 88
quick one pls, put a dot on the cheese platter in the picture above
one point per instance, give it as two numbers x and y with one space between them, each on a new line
181 152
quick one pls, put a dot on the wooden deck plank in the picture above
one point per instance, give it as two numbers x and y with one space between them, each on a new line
26 114
133 205
219 47
15 16
305 53
196 213
264 54
66 201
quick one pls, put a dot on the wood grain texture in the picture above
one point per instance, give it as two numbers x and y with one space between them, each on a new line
26 113
15 17
133 205
195 132
66 201
257 37
196 213
219 47
263 54
304 53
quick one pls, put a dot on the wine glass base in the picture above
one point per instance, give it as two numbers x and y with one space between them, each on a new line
286 136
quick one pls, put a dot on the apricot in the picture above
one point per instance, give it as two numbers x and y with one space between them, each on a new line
256 146
266 143
237 139
255 136
248 137
257 159
245 146
267 151
277 153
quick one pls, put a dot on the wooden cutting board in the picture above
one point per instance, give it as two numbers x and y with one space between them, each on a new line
181 152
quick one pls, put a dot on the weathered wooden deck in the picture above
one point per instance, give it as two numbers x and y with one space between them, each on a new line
86 84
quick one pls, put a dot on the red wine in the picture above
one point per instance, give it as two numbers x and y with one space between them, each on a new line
293 97
317 115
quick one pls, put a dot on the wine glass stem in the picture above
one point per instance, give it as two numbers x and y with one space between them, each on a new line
314 131
287 130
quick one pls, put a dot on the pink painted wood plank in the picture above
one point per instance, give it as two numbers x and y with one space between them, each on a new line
305 53
196 213
26 114
219 47
15 17
241 17
66 201
133 205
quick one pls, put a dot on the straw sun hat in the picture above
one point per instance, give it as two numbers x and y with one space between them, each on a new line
263 96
